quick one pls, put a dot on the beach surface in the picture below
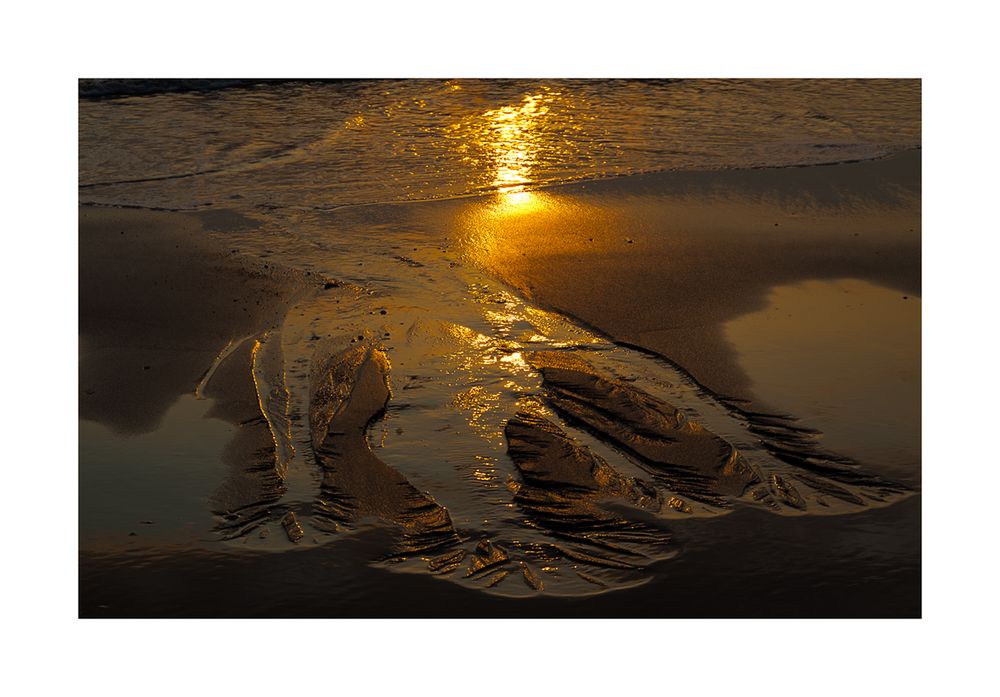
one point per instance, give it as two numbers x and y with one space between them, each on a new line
194 455
158 301
690 393
755 281
159 304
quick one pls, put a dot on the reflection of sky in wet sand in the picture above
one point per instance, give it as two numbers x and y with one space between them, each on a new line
164 477
845 357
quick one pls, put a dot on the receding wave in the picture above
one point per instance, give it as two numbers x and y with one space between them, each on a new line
395 140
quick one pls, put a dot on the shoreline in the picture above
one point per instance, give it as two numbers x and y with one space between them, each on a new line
529 187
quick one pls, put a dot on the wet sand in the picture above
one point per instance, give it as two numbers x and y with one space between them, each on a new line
683 253
579 476
743 565
682 263
159 302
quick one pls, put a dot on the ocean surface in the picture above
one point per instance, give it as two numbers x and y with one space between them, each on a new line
401 192
322 145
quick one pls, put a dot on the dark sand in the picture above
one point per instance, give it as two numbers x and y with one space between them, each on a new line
158 301
740 565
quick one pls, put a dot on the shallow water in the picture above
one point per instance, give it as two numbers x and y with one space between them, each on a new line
461 348
844 356
155 485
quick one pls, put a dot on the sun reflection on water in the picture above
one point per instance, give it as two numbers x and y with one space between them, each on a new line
517 197
512 136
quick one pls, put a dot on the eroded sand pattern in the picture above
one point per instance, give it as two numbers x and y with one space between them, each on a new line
503 447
